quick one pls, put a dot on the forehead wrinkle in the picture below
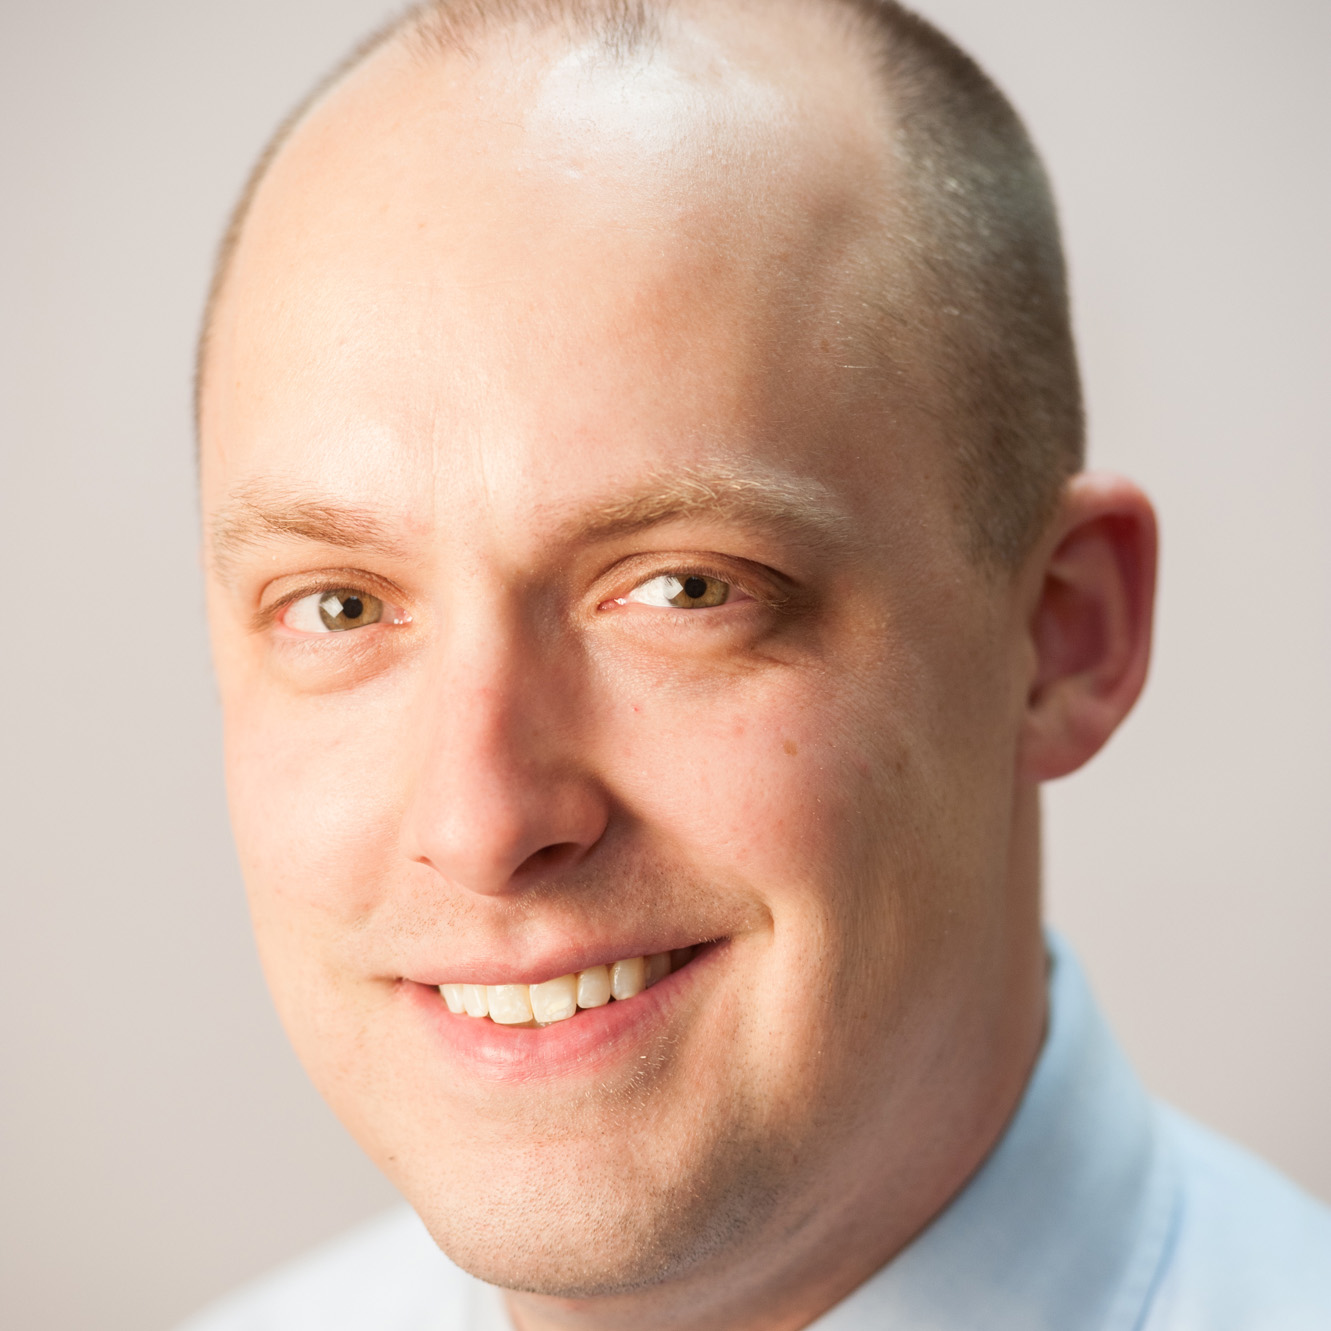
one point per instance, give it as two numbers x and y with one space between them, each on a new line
256 512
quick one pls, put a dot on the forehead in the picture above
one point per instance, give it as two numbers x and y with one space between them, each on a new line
556 265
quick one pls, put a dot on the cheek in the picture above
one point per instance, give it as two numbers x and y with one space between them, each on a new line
718 770
312 787
815 802
776 780
836 803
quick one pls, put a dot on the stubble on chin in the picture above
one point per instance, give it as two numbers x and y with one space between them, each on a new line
578 1213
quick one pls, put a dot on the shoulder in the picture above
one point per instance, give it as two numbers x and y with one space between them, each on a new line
1250 1250
385 1274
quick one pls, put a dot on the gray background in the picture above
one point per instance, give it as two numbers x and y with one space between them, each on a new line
159 1141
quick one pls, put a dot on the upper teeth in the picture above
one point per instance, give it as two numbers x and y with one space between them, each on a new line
559 999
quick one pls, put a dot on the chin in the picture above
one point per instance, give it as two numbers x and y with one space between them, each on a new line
569 1234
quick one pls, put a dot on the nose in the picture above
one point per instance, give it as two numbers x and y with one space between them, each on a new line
504 795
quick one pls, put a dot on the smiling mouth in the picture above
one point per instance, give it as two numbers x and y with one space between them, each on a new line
567 995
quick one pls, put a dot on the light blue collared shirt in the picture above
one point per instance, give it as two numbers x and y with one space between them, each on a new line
1098 1210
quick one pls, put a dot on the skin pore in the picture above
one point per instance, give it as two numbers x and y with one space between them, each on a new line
506 341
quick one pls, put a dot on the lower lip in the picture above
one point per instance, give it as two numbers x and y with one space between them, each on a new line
585 1044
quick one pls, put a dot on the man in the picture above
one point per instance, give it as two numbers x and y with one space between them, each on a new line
651 573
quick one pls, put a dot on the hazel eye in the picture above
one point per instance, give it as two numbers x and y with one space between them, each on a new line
693 591
338 610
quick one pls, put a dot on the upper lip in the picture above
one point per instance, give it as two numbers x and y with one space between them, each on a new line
537 967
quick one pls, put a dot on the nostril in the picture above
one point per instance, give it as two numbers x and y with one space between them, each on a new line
548 858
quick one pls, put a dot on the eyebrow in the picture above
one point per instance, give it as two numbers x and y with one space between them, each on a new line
257 512
800 507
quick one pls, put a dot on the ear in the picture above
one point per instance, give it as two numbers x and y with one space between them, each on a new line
1091 602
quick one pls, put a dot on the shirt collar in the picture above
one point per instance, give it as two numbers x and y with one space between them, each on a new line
1065 1224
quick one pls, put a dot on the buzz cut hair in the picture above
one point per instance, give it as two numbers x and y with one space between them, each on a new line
976 235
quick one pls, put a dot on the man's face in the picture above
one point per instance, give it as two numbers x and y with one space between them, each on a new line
584 587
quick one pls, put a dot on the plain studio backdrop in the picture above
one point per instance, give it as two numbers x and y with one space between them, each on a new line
159 1141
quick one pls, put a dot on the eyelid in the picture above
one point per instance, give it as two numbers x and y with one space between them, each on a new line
753 581
338 579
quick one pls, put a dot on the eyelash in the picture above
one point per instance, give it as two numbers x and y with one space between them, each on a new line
270 616
760 591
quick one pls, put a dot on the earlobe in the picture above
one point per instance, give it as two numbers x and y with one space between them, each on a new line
1089 625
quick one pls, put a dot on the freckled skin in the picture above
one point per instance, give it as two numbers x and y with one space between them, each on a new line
538 314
